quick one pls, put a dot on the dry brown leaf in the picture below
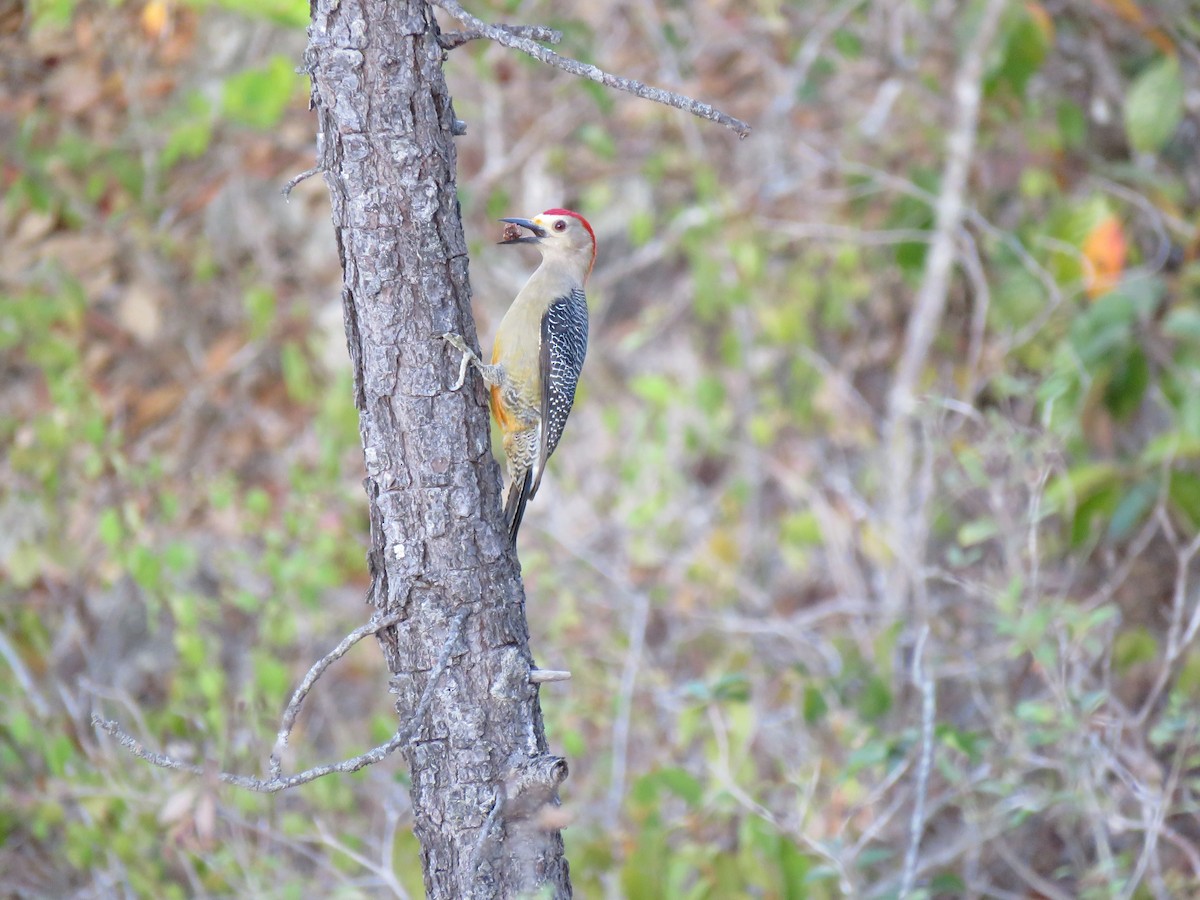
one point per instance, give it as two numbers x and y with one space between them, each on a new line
177 805
156 404
89 257
222 352
139 311
206 819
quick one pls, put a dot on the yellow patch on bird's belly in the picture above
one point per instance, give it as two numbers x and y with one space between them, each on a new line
496 400
498 412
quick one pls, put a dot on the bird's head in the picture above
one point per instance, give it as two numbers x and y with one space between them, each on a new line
561 235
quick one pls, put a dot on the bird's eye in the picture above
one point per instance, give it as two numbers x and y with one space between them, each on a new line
560 225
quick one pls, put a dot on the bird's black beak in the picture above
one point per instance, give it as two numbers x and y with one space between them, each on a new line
510 234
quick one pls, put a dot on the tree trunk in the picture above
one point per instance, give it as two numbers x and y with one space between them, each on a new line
460 661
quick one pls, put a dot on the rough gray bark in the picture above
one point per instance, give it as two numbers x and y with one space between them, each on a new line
481 773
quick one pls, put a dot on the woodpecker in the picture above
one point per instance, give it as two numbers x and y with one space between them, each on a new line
539 350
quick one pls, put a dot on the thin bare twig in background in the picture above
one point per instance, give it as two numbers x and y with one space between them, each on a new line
1179 637
916 825
931 299
279 782
21 674
386 875
318 669
507 38
286 190
638 619
1158 810
452 39
1028 875
722 769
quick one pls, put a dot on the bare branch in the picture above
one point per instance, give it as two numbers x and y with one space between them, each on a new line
452 39
21 673
318 669
507 38
932 294
1040 884
280 782
916 825
286 190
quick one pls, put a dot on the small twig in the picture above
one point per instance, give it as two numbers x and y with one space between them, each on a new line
916 825
293 708
384 873
1026 873
485 832
284 782
507 39
723 769
1179 637
541 676
638 619
21 673
973 266
1158 816
931 297
309 173
450 40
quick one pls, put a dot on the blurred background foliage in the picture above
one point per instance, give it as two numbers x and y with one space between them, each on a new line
182 529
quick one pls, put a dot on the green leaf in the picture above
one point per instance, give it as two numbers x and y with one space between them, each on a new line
1170 447
815 706
732 687
976 532
1183 323
1132 509
875 700
1124 391
655 389
1072 125
965 742
1026 44
259 97
1154 105
1184 493
292 13
111 528
794 869
260 310
801 529
599 140
1132 647
192 136
682 784
298 377
847 43
873 753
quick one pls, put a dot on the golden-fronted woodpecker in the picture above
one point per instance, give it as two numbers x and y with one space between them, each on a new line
539 350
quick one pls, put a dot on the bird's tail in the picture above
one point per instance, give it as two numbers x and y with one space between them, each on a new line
514 504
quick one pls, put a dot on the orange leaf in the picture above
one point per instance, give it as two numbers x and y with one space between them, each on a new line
1042 19
154 18
1129 11
1105 248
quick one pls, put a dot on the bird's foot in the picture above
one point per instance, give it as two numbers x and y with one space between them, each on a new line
468 357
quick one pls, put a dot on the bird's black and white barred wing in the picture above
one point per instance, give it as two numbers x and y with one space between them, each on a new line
564 345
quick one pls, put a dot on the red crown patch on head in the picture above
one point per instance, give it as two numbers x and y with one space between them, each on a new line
574 215
584 222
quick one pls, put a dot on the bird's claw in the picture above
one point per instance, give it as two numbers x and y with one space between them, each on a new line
456 341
